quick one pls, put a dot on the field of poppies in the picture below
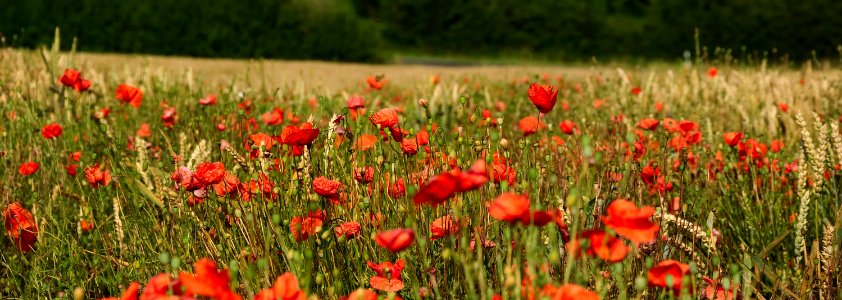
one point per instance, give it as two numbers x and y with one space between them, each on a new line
710 180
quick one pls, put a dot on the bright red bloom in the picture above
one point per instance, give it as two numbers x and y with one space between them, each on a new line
715 290
261 140
97 177
648 124
51 131
299 136
76 156
388 278
273 117
385 118
631 222
570 292
20 226
543 97
443 227
208 281
636 91
362 294
474 178
783 107
306 226
437 190
395 240
129 294
732 138
776 146
28 168
160 286
600 244
286 288
712 72
374 82
567 126
71 169
169 116
85 225
326 188
668 268
208 100
209 173
365 142
364 174
227 185
509 207
348 229
129 94
397 189
355 102
144 131
531 124
409 146
72 78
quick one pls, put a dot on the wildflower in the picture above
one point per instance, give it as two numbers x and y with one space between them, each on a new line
72 78
543 97
306 226
671 269
169 116
28 168
732 138
208 281
374 82
210 99
712 72
97 177
364 174
600 244
285 288
648 124
567 126
570 292
509 207
530 125
273 117
129 94
395 240
20 226
129 294
365 142
85 225
348 229
397 189
326 188
443 227
631 222
385 118
209 173
51 131
636 91
388 278
144 131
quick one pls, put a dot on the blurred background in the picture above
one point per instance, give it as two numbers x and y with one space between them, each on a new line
435 30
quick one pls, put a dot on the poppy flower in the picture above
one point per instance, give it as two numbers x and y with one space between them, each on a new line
97 177
409 146
208 100
129 294
631 222
509 207
776 146
570 292
530 125
285 288
567 126
299 136
715 291
51 131
71 169
348 229
28 168
712 72
209 173
543 97
72 78
85 225
362 294
374 82
227 185
397 189
437 190
326 188
129 94
169 116
161 286
208 281
474 178
144 131
261 140
783 107
306 226
395 240
669 268
20 226
273 117
388 278
355 102
385 118
600 244
636 91
76 156
443 227
648 124
364 174
365 142
732 138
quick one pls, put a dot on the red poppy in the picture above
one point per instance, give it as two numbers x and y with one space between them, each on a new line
409 146
543 97
570 292
326 188
437 190
51 131
668 269
509 207
76 156
374 82
567 126
169 116
783 107
397 189
20 226
715 291
530 125
97 177
285 288
28 168
299 136
443 227
732 138
129 94
395 240
636 91
348 229
776 146
365 142
208 100
631 222
208 281
129 294
388 278
144 131
600 244
227 185
72 78
355 102
85 225
71 169
306 226
385 118
712 72
362 294
209 173
474 178
648 124
273 117
261 140
162 286
364 174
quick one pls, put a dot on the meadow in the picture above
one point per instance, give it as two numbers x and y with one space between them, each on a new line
165 178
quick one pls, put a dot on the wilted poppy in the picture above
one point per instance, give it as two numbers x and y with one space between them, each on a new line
129 94
51 131
20 226
208 281
543 97
364 174
631 222
395 240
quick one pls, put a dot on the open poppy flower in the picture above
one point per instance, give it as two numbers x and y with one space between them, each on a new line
306 226
208 100
209 173
273 117
302 135
509 207
363 294
388 278
732 138
530 125
144 131
364 175
374 82
395 240
671 269
409 146
568 127
443 227
208 281
51 131
129 294
326 188
385 118
568 292
397 189
97 176
631 222
543 97
600 244
129 94
169 116
227 185
474 178
73 79
648 124
285 288
437 190
715 291
20 226
348 229
365 142
28 168
163 286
